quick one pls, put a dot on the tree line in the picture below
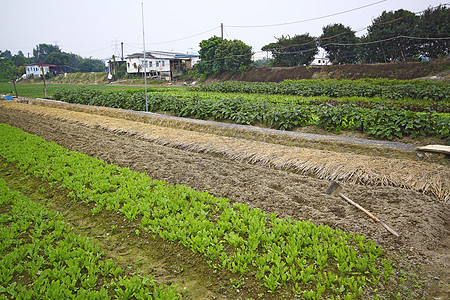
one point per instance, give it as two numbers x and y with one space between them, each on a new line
395 36
14 65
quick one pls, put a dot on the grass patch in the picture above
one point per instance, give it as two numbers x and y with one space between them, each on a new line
36 90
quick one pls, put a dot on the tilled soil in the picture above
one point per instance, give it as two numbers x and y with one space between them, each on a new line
421 221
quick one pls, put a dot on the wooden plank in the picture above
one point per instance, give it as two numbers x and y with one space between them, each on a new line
435 148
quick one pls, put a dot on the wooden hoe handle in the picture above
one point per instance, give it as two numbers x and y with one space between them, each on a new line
369 214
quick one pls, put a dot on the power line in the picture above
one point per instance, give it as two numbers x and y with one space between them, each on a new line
367 27
184 38
256 26
306 20
390 39
338 44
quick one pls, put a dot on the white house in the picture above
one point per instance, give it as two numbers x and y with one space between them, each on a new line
35 70
160 64
320 61
135 64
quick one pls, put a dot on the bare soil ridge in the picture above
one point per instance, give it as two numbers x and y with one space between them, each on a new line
423 177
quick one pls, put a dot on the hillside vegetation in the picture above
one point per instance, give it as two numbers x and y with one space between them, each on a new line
405 71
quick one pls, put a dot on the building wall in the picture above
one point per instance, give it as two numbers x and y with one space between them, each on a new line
35 71
135 65
320 61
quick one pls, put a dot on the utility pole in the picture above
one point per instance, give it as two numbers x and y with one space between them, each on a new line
145 63
15 88
121 46
221 30
45 86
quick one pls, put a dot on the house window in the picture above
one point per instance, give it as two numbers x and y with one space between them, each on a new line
150 64
163 63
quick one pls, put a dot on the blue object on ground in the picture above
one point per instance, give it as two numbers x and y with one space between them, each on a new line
8 97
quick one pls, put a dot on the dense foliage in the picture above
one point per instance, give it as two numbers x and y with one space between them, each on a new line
387 26
402 35
218 55
292 51
311 261
435 22
69 62
7 69
392 37
277 112
339 42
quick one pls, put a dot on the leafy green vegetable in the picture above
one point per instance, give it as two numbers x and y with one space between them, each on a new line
36 243
280 252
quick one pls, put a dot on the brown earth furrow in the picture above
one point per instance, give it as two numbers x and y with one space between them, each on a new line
431 179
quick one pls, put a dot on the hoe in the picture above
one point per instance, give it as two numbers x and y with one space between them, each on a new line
335 190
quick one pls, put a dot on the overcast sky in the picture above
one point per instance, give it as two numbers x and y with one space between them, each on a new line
95 28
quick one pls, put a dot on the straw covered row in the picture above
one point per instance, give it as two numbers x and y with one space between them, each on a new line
429 178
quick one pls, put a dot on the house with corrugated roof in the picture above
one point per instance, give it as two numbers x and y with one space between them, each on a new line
160 64
35 70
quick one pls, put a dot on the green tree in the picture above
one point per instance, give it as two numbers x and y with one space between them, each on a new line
91 65
332 40
217 56
6 54
295 51
237 55
43 50
7 69
60 58
384 41
208 64
19 60
435 23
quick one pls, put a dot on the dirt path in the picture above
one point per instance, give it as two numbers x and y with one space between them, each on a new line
421 221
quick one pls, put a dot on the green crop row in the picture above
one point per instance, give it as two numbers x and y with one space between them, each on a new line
384 88
310 260
273 112
36 244
135 99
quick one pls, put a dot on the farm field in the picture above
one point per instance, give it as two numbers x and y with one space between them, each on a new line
36 90
420 255
383 109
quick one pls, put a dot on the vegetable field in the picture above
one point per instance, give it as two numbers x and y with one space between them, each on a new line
313 260
384 109
257 232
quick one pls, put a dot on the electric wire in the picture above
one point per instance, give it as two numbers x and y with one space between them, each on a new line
316 40
365 28
306 20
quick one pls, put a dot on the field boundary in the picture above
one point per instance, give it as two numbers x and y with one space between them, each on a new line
431 179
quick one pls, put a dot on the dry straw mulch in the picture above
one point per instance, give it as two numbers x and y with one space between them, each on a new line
429 178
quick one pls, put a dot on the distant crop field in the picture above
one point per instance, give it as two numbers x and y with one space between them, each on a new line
36 90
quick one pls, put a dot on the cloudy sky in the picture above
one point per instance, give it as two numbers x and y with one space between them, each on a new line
96 28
